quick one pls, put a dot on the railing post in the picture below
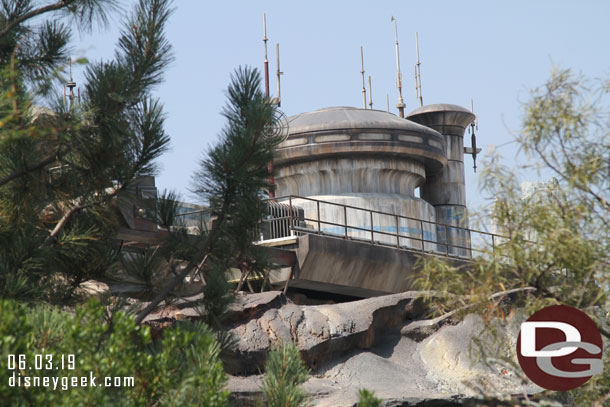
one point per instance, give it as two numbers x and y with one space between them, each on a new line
493 244
446 241
319 228
397 231
292 221
423 238
372 233
345 219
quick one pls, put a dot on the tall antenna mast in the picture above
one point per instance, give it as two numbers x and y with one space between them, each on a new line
418 92
400 105
70 85
387 100
370 93
266 60
279 73
362 72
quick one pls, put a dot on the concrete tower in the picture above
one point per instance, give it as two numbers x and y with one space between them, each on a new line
363 158
446 190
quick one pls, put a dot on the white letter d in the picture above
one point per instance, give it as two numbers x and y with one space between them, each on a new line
528 338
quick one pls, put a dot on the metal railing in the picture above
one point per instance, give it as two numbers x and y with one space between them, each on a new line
286 217
444 240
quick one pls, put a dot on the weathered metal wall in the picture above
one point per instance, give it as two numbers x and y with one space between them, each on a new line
364 158
447 190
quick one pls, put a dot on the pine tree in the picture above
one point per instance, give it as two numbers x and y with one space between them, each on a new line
284 374
63 166
367 398
230 180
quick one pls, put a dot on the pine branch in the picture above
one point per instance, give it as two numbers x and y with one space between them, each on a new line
77 207
179 278
27 169
34 13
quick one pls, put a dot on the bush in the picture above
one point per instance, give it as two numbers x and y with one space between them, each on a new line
284 373
181 368
367 398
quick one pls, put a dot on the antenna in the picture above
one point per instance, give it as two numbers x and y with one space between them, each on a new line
387 100
370 93
418 92
271 179
473 138
70 85
266 60
278 73
400 105
362 72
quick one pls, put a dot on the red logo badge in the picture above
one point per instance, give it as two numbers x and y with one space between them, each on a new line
559 348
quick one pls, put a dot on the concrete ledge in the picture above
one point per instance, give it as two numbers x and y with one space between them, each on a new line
353 268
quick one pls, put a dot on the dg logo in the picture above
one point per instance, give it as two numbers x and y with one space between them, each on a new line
559 348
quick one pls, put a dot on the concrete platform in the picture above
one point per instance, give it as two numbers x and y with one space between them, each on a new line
352 268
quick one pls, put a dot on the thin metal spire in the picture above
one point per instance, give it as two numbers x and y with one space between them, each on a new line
266 60
70 85
362 72
418 91
279 73
370 93
401 104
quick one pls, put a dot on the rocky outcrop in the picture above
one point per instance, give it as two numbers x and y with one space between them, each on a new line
321 332
359 344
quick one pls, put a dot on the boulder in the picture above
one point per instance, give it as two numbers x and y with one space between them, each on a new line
379 343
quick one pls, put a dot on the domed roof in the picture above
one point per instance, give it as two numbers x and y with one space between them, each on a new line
439 107
442 114
345 118
344 132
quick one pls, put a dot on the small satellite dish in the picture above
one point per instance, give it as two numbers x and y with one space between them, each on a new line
278 128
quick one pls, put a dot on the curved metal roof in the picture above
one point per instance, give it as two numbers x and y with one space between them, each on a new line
344 117
442 114
439 107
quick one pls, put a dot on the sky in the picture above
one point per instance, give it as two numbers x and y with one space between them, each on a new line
491 52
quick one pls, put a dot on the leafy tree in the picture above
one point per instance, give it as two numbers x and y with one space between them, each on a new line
62 167
284 373
556 246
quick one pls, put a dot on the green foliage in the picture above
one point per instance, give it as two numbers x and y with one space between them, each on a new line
367 398
556 244
62 166
230 181
179 369
284 373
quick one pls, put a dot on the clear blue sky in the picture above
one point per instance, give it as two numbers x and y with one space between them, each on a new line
489 51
